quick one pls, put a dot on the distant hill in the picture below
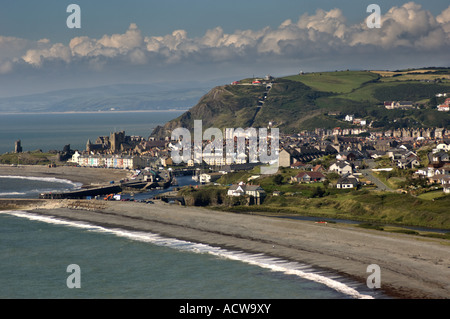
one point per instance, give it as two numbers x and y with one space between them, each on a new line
124 97
322 99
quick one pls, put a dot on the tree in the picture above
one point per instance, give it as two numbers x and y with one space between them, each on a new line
318 192
278 179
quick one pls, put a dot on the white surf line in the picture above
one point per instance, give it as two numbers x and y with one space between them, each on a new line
260 260
44 179
12 193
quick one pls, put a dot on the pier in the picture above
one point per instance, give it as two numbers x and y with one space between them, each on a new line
83 193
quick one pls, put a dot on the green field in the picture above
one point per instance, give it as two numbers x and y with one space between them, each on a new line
432 195
335 82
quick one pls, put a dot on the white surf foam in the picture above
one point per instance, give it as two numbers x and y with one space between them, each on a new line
11 194
260 260
44 179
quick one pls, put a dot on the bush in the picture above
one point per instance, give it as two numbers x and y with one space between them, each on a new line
371 226
318 192
406 231
278 179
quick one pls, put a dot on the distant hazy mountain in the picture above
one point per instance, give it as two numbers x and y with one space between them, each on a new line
105 98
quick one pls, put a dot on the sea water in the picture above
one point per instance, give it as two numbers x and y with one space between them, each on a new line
31 187
53 131
36 251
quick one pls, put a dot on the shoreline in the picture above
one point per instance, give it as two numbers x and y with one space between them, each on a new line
411 268
83 175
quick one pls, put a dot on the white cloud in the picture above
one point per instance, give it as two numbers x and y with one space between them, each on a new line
57 51
407 26
321 35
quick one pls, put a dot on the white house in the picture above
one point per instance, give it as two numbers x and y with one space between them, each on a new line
75 158
254 190
242 189
236 190
441 147
349 117
209 177
341 167
347 182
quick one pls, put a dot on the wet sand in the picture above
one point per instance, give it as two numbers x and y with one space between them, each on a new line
411 267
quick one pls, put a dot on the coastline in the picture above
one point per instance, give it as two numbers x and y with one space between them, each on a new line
82 175
411 268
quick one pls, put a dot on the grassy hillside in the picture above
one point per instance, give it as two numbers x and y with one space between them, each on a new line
335 82
27 158
302 102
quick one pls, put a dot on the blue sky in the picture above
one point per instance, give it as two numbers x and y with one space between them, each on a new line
174 40
46 18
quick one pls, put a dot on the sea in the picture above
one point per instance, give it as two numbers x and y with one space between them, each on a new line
37 252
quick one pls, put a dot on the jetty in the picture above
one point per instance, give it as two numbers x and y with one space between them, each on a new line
83 193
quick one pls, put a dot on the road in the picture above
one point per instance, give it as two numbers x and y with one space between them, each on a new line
380 185
367 173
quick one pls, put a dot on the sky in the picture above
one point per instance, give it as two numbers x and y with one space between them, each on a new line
209 41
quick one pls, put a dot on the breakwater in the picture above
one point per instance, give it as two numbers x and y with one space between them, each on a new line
83 193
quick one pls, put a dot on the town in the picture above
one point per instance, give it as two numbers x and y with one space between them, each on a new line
406 160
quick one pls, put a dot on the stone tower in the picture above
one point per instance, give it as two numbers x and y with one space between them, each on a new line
116 139
18 147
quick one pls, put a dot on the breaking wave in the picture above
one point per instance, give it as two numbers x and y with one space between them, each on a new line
44 179
12 194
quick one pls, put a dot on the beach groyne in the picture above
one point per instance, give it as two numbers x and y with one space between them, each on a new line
15 204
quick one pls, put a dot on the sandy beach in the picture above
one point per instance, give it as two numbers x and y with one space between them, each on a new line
411 266
83 175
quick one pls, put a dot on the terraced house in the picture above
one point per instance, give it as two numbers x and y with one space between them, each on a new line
109 161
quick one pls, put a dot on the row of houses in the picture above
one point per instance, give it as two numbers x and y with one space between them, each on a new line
344 182
111 161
